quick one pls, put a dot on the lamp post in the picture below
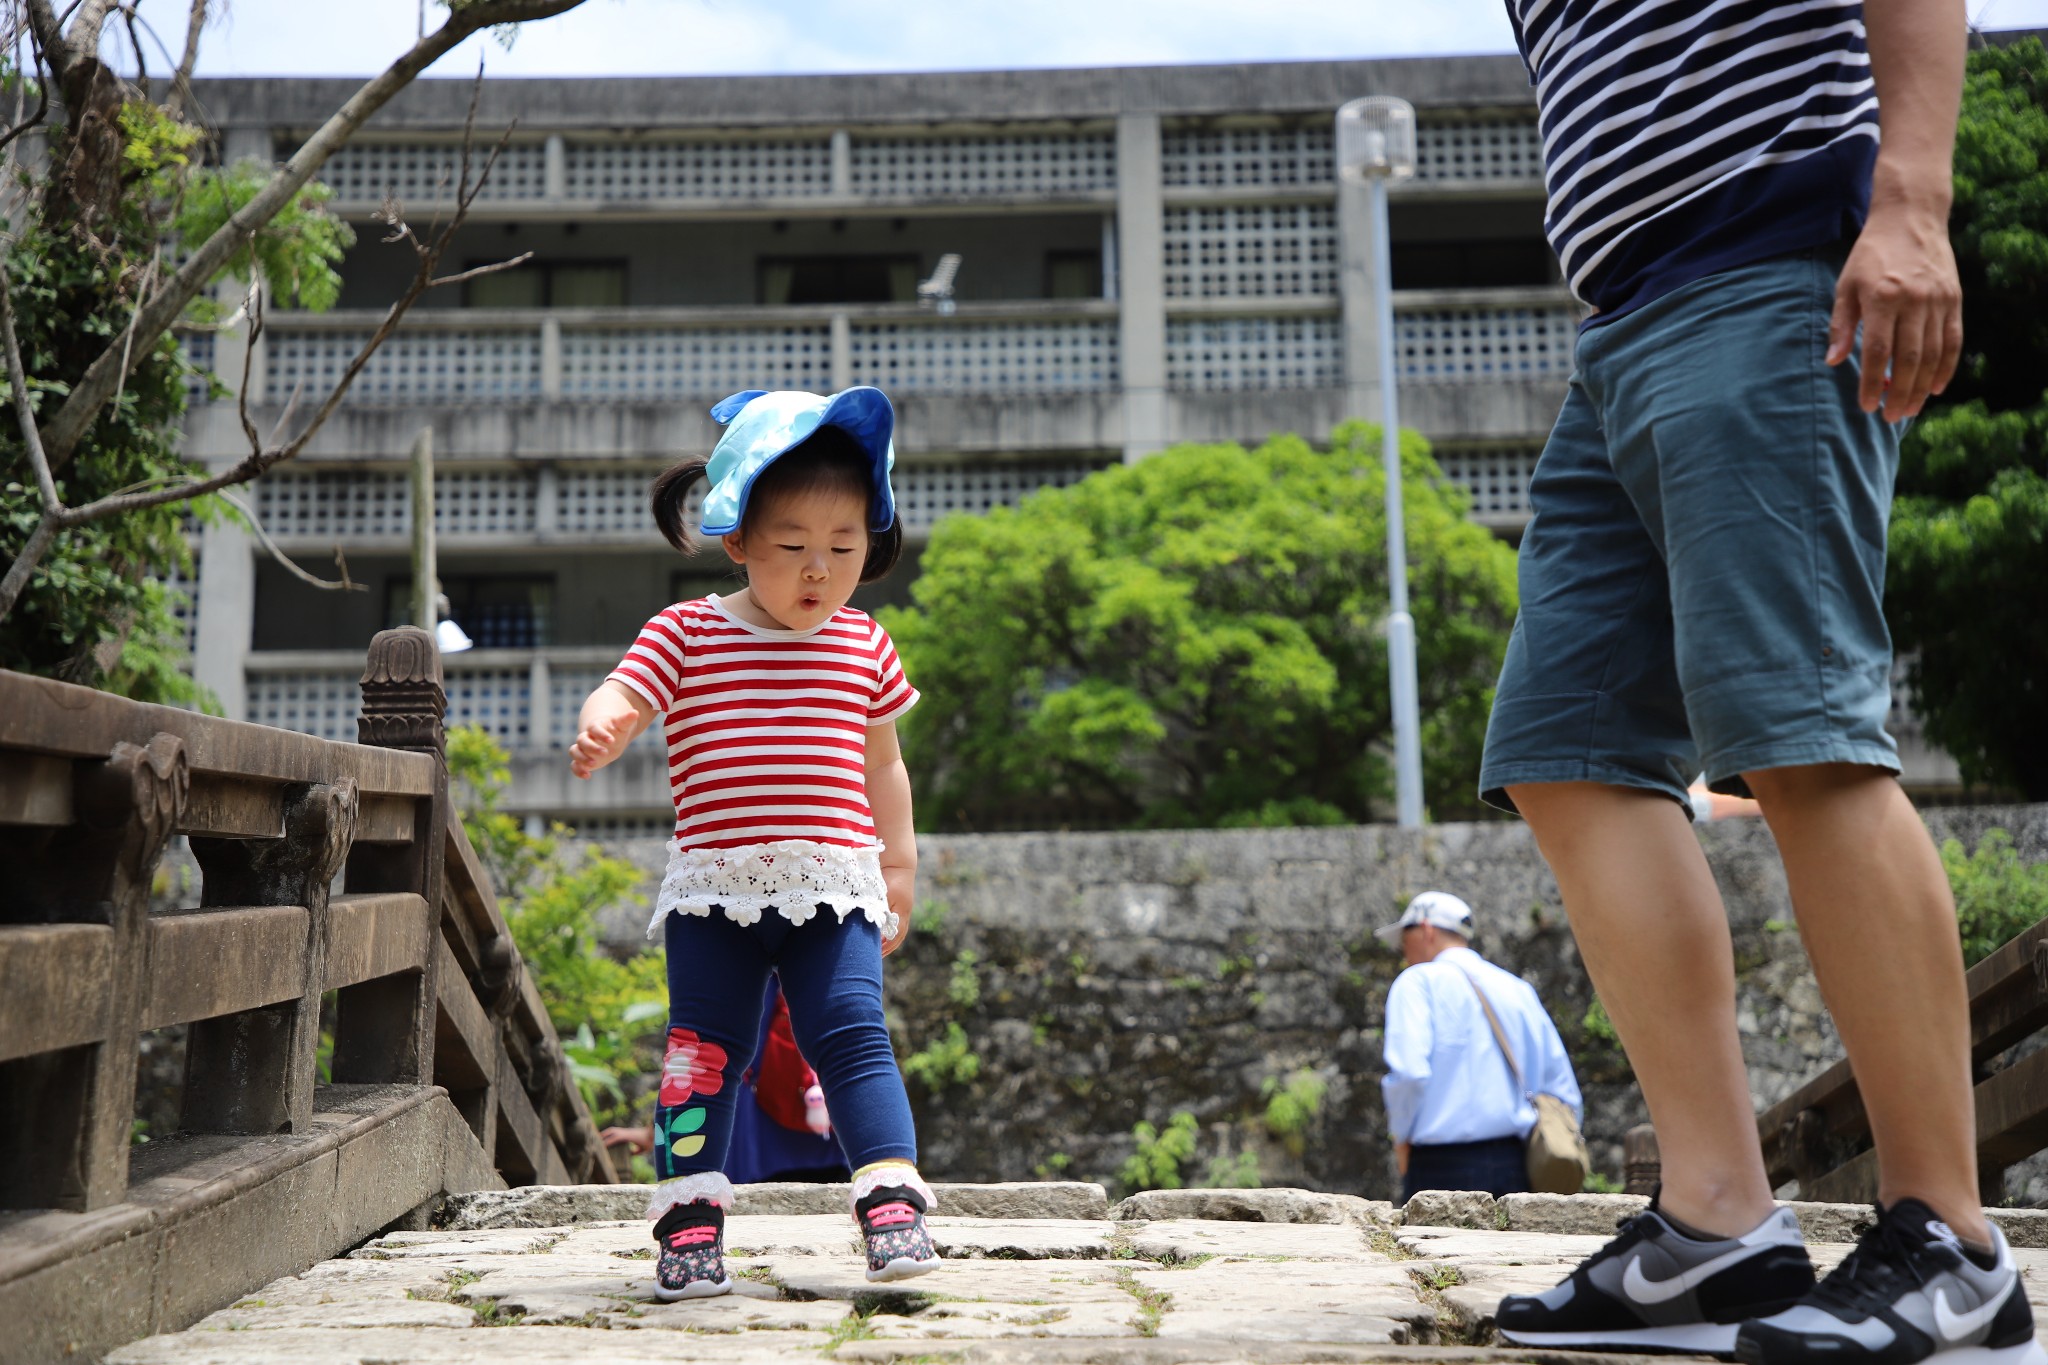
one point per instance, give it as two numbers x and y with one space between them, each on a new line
427 602
1375 144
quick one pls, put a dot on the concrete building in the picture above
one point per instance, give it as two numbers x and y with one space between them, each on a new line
1150 255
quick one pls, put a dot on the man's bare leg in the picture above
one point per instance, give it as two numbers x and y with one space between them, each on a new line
1879 922
1654 936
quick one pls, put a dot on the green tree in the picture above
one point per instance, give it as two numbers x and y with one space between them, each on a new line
1197 639
104 250
1999 894
1969 539
609 1014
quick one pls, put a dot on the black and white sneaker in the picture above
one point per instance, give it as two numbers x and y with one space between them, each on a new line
1653 1288
1908 1292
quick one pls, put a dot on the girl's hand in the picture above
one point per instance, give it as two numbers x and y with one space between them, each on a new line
599 744
902 884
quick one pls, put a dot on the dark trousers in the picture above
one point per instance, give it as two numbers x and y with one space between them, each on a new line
1496 1166
832 974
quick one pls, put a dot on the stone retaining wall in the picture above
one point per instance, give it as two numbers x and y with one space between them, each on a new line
1104 979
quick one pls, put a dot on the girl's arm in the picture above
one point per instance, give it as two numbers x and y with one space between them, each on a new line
889 799
613 717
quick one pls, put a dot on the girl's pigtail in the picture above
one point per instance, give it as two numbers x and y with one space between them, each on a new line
671 491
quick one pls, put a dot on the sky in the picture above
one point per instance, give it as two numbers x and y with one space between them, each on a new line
739 37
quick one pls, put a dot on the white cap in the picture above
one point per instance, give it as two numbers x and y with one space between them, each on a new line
1438 908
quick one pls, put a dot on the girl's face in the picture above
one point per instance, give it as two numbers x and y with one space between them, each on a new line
804 556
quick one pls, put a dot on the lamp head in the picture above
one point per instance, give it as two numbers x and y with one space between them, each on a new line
1376 139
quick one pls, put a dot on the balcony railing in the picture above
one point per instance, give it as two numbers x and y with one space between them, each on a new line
372 508
649 354
526 699
1440 337
579 173
1026 349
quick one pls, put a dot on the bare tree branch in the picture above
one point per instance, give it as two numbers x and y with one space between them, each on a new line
49 34
291 566
156 257
24 410
42 94
71 421
254 304
135 41
83 41
181 79
263 457
32 442
493 268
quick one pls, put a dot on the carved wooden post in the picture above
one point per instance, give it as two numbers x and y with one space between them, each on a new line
254 1072
64 1144
1641 1165
385 1029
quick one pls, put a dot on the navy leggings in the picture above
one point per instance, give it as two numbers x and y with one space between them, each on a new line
832 975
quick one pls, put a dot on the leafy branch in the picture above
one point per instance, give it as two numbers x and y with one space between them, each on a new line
264 453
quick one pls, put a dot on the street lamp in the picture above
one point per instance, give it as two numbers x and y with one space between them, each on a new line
1375 144
429 605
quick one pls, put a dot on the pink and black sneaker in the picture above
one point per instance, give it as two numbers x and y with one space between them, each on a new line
899 1245
692 1257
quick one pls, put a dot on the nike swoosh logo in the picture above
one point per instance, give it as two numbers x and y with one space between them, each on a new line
1954 1326
1643 1289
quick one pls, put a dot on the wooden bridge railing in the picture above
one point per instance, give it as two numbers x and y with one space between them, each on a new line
325 868
1820 1136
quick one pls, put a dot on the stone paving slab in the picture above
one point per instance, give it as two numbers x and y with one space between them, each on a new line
1197 1278
1183 1239
1164 1351
467 1346
1349 1302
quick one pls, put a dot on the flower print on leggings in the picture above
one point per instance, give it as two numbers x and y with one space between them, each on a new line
691 1067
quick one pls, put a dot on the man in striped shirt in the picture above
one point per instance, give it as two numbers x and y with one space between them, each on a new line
1752 198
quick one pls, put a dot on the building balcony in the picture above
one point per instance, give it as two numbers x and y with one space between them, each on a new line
855 171
527 700
1052 348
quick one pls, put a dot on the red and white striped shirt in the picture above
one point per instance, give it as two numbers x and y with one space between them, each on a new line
767 729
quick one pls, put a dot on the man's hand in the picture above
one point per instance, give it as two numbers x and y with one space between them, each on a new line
902 884
638 1141
1900 280
600 743
1401 1157
1900 283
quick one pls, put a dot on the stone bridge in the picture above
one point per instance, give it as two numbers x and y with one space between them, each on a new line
359 1034
1035 1273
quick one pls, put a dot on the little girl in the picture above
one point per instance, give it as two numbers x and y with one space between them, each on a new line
793 847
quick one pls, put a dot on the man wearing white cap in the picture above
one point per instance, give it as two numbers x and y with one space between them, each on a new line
1458 1105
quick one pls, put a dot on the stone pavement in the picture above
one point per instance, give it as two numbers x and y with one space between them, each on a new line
1034 1273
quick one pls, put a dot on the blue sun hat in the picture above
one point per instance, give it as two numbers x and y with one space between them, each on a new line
760 425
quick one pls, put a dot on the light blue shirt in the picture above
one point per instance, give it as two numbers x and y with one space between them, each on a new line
1446 1078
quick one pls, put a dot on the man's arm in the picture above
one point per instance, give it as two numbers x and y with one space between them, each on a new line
1409 1036
1900 280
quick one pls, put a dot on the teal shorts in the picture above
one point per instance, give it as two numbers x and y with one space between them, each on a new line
1702 581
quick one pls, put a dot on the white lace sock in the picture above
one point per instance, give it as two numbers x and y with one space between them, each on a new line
871 1178
705 1187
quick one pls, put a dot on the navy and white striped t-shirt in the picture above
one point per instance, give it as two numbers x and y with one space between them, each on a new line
1684 137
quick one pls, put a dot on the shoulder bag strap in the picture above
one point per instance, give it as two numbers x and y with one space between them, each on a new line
1493 1022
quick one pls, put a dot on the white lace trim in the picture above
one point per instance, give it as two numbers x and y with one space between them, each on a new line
890 1173
705 1187
792 877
